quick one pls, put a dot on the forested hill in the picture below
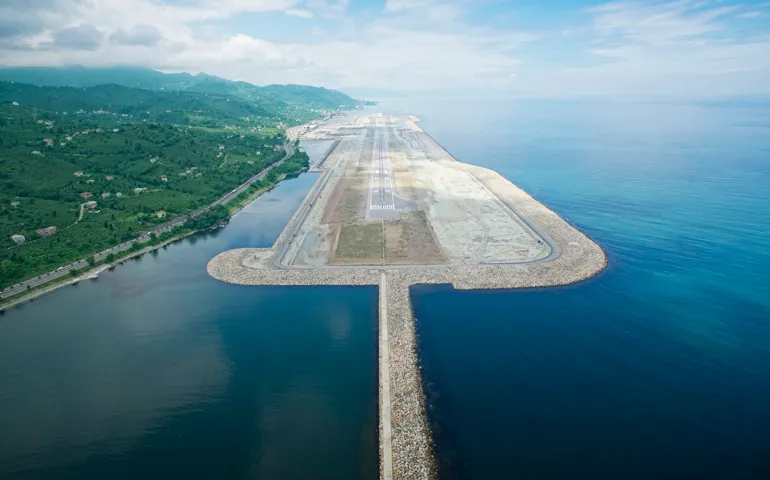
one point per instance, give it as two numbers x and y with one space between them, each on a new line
273 97
85 168
132 104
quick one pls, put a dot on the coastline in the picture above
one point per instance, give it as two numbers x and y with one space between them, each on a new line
93 273
90 274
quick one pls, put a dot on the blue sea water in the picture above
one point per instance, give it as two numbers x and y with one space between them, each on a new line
156 370
660 366
657 368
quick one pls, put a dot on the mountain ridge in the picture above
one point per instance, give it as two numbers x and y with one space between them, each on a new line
270 96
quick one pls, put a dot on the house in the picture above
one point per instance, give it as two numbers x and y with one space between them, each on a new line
221 147
78 173
90 180
48 142
18 239
118 194
46 232
105 194
15 104
160 214
37 152
15 204
116 130
108 178
86 195
163 178
140 190
91 205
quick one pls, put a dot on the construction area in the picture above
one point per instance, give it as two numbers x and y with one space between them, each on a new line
392 208
393 196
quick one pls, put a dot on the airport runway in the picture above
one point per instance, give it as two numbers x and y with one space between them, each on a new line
382 201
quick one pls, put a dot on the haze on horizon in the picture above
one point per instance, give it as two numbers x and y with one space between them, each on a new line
564 48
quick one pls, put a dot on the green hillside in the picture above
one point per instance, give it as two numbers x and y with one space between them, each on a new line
135 105
277 98
144 156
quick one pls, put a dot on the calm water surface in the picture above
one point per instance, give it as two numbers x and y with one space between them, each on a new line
659 367
156 370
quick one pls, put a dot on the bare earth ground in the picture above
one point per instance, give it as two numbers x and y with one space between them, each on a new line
428 208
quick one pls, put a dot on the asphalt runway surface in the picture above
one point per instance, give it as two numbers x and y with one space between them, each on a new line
382 201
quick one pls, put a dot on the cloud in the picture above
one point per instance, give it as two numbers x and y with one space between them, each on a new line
677 47
82 37
17 22
144 35
299 13
657 23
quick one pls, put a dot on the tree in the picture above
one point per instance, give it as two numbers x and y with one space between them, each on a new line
91 261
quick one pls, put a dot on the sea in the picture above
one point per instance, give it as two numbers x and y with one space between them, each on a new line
659 367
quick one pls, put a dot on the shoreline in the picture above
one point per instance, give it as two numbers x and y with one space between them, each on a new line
90 274
93 273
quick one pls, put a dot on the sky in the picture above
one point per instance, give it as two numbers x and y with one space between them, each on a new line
524 48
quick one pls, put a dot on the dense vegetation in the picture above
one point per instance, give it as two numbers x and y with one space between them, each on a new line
143 156
280 100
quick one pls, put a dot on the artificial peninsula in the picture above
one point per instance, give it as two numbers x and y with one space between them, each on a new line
391 207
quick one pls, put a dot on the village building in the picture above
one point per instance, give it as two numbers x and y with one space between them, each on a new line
15 204
108 178
105 194
86 195
46 232
163 178
140 190
118 194
18 239
91 204
78 173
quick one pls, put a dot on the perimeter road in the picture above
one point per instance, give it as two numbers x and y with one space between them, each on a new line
386 434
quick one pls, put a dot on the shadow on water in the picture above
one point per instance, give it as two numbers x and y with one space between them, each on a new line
158 370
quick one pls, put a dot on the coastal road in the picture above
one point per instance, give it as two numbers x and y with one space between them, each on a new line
145 237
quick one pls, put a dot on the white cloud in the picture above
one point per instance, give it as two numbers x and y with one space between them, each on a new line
681 47
298 12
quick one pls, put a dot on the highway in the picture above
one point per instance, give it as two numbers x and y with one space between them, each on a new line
145 237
